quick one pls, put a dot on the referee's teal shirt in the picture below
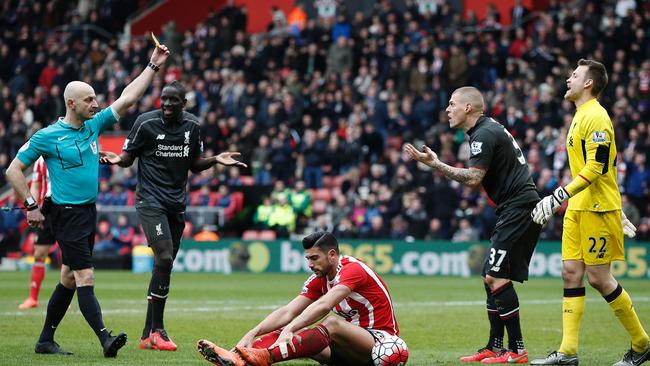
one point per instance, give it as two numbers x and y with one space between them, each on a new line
71 155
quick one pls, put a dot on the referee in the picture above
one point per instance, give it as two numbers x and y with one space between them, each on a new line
70 149
167 143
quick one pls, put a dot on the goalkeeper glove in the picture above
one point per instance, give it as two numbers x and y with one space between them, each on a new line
628 228
549 205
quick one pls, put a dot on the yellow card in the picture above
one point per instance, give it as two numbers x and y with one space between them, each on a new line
155 39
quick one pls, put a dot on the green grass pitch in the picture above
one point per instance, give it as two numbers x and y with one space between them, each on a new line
440 318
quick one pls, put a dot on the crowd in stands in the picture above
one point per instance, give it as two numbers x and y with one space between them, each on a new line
320 107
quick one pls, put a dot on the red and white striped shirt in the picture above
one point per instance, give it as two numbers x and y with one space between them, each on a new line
368 306
42 177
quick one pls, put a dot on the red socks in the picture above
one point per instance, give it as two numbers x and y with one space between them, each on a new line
307 343
38 273
267 340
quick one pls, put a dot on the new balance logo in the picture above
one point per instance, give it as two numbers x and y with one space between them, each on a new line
160 137
495 268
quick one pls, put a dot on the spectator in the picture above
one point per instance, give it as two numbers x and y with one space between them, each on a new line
123 233
263 214
282 218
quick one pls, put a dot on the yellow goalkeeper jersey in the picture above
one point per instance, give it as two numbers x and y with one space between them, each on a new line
592 158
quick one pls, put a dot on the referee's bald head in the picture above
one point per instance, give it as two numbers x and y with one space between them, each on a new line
472 96
80 102
77 89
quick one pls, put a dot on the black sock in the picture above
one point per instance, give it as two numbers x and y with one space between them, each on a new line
56 308
496 324
89 307
147 322
159 292
505 297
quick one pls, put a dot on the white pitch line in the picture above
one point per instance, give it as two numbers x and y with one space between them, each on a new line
231 306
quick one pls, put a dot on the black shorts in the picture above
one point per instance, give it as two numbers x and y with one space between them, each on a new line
512 245
74 229
337 358
45 234
159 224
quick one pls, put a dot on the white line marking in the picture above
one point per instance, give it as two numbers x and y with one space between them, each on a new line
238 306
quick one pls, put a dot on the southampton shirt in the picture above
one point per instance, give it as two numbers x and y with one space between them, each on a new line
368 306
41 177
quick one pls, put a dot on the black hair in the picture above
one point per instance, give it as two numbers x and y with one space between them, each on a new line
321 239
179 88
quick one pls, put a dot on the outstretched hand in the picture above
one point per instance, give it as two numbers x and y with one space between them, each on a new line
109 158
228 158
426 156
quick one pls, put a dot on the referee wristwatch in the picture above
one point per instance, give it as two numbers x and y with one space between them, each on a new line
153 66
30 203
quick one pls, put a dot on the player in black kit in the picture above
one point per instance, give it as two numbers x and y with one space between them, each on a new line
497 163
168 144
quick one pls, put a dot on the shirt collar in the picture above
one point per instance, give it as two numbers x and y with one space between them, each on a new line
68 126
587 103
480 120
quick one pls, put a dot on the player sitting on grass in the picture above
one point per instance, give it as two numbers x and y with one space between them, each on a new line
340 283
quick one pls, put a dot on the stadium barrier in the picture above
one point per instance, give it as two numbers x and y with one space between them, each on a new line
430 258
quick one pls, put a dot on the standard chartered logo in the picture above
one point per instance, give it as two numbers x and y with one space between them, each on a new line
172 151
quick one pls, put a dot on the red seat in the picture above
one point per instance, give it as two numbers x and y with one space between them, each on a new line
319 207
324 194
236 205
267 235
130 198
327 181
247 180
250 235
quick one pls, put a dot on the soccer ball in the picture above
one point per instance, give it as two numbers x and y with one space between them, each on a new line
390 351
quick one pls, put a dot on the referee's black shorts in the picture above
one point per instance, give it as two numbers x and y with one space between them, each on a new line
512 244
74 229
45 234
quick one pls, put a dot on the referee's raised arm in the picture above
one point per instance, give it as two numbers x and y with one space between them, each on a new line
134 91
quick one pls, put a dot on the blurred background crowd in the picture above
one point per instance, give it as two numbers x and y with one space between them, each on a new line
320 107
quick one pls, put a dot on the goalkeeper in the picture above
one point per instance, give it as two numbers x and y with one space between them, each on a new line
594 223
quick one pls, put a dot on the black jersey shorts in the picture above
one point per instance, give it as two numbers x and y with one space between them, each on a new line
512 244
74 229
159 224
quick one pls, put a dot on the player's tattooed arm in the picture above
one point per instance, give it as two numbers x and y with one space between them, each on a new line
471 177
